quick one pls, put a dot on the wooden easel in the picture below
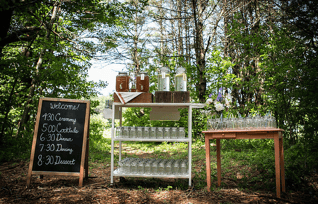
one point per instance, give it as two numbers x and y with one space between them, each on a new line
85 145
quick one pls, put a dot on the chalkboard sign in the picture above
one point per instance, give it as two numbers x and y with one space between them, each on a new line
60 145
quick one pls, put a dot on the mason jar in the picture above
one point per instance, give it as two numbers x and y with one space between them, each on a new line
153 133
125 132
181 133
139 132
166 132
173 133
132 132
159 133
146 132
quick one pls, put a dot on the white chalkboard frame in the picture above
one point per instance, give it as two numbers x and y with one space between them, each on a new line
85 146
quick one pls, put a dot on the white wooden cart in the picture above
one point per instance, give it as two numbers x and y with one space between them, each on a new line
160 111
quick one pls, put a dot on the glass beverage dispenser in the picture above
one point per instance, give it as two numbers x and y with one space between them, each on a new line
164 79
181 80
142 82
122 82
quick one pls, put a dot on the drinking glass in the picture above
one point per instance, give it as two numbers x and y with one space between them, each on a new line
240 122
224 123
248 122
209 124
218 123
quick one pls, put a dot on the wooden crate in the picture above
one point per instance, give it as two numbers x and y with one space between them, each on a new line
172 97
163 97
142 98
181 97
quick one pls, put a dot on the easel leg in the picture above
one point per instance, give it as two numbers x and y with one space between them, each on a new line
86 159
208 163
218 157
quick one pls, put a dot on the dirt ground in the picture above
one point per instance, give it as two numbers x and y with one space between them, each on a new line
97 189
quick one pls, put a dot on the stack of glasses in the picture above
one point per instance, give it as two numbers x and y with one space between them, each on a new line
247 123
153 166
150 132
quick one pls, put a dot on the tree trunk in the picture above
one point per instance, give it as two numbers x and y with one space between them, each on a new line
199 49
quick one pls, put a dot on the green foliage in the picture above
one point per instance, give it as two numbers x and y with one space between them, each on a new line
48 61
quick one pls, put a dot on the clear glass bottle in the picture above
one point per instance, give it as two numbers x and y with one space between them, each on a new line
181 80
164 79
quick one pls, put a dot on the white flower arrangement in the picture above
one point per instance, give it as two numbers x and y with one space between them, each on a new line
219 104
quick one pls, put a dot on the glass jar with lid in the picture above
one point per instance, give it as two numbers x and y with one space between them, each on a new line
181 80
122 82
164 79
142 82
159 133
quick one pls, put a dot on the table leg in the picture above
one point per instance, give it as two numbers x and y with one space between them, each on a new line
277 164
218 157
282 164
208 163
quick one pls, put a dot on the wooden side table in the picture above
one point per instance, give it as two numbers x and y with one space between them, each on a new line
269 133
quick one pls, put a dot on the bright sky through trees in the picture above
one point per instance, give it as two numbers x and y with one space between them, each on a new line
101 71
